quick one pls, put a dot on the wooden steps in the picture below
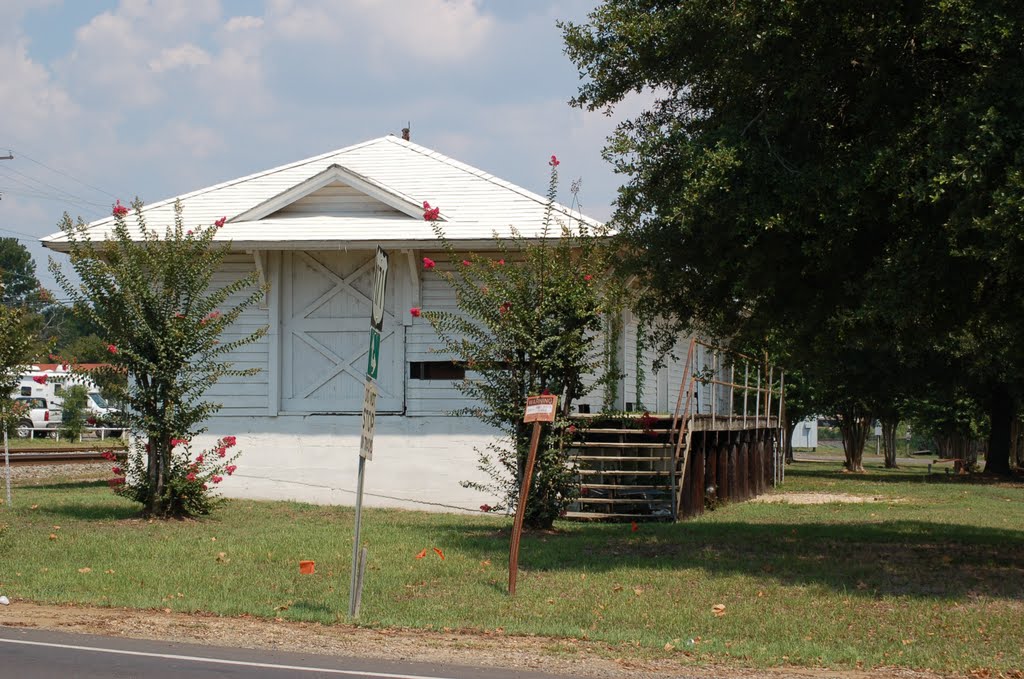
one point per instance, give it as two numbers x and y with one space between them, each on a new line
625 469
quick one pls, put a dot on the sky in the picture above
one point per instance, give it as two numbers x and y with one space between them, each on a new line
153 98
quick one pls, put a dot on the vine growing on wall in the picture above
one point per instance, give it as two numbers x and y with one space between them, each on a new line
613 371
641 374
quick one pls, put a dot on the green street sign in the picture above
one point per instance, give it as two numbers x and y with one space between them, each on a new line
374 361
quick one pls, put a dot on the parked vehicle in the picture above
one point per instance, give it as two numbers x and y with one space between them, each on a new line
37 416
51 385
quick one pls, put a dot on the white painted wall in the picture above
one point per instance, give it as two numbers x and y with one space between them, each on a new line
417 463
419 457
805 435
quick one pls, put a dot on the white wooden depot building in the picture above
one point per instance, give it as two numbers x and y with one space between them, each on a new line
311 229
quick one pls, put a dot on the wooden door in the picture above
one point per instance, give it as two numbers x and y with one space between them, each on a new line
326 300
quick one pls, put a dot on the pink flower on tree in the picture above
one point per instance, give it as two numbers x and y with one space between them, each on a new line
415 312
505 308
430 214
216 479
199 458
191 476
111 348
428 263
466 262
501 262
178 442
108 455
554 162
220 222
230 441
222 451
587 278
230 469
117 470
119 210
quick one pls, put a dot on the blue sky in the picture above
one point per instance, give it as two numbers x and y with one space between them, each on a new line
153 98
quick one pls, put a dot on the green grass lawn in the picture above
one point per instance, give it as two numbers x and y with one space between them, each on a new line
933 577
44 444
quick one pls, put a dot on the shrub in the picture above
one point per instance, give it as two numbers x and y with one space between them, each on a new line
73 415
193 480
150 297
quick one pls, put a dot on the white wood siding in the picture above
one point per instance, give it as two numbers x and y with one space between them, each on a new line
431 397
338 199
241 396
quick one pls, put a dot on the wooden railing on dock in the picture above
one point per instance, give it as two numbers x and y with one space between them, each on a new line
649 467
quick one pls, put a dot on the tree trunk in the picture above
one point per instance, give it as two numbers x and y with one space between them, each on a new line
1002 412
854 426
790 428
152 475
889 440
1016 443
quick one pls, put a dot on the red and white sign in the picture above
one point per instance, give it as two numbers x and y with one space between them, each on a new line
540 408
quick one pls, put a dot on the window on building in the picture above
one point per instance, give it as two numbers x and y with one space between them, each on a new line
437 370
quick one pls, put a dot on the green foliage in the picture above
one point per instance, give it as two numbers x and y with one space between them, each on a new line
528 322
17 346
73 416
18 283
841 183
149 295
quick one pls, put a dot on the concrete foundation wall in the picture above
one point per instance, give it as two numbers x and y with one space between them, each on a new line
417 462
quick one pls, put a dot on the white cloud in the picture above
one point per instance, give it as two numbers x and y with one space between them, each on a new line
243 23
392 33
187 55
32 102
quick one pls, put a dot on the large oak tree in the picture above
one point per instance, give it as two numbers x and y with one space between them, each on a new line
846 171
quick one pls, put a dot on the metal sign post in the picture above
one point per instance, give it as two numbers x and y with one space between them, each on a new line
7 467
369 425
538 409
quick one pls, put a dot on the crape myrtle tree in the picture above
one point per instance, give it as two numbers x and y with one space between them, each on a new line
805 167
528 321
150 296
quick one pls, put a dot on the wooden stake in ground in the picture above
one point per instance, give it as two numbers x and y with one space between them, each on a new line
538 409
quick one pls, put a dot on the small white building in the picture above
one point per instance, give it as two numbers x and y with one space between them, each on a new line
311 229
805 434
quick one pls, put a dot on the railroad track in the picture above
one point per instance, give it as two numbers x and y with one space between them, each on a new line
58 456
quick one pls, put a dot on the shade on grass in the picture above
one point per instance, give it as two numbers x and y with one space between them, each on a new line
931 576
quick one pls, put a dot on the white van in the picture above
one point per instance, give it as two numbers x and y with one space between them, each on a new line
51 385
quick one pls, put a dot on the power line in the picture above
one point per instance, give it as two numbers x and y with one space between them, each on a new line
43 196
62 173
29 237
79 200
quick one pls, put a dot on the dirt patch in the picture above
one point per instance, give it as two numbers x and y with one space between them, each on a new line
481 649
822 498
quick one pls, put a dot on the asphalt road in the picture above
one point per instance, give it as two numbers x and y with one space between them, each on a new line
35 654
